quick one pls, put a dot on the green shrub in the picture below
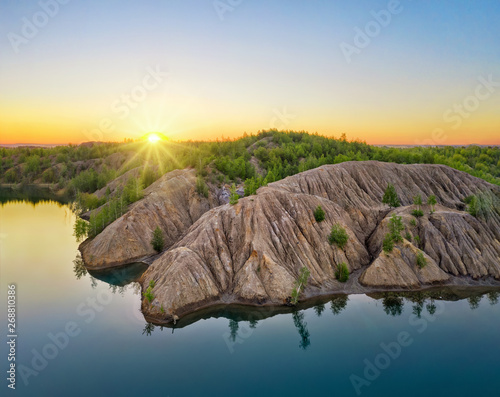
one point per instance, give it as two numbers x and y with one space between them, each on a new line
391 197
421 261
408 236
157 241
417 200
149 294
338 236
342 272
413 222
432 201
388 244
319 214
201 187
417 213
396 227
417 240
233 196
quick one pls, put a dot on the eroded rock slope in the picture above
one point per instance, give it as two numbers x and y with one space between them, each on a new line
252 252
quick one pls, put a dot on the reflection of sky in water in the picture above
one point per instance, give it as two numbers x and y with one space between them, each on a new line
456 354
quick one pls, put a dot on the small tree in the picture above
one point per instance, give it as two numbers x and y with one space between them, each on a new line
157 241
431 200
319 214
342 272
338 236
396 227
417 200
391 197
300 284
233 196
388 244
421 261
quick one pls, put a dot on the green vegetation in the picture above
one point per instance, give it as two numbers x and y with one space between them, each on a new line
201 186
421 260
432 201
319 214
391 197
394 236
157 240
338 236
388 243
413 222
417 213
483 205
300 284
342 272
254 160
417 240
80 229
233 195
417 200
149 294
408 236
396 227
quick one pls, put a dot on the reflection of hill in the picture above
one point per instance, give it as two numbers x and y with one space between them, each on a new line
120 276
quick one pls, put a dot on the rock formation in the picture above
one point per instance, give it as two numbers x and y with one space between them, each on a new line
252 252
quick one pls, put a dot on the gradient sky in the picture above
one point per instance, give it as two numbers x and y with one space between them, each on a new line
258 65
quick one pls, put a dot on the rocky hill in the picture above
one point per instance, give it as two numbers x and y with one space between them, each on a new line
252 252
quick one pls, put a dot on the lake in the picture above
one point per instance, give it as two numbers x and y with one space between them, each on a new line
80 334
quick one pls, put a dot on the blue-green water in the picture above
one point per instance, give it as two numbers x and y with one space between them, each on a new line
316 351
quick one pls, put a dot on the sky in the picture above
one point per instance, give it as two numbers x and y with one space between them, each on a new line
385 72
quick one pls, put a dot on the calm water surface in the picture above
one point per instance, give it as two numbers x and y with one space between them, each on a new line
434 347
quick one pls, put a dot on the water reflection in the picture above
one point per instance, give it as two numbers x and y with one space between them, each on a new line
393 304
493 297
301 325
338 304
119 279
31 194
319 309
79 268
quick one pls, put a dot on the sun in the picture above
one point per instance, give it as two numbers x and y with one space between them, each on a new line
153 138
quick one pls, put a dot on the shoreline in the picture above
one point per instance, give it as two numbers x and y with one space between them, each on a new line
228 303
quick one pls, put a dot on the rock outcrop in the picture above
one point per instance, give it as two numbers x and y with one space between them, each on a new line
252 252
171 203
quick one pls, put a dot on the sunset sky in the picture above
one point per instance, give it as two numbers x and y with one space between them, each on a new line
388 72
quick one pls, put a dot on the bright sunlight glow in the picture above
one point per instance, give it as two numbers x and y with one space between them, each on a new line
153 138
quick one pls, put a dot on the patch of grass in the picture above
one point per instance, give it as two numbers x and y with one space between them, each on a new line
338 236
413 222
408 236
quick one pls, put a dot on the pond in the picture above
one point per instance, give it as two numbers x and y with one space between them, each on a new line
81 334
